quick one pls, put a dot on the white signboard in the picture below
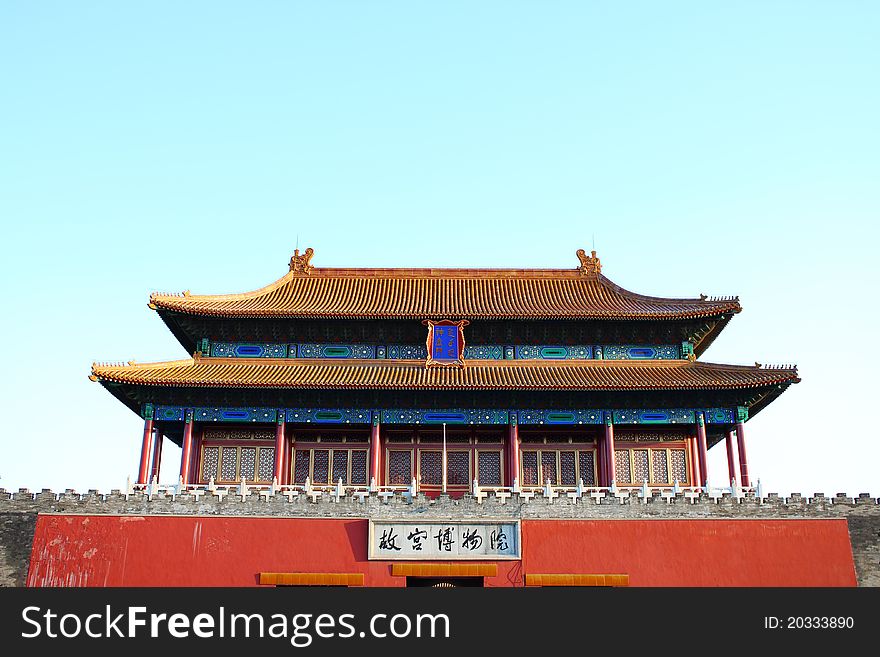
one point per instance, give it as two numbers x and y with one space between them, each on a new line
453 539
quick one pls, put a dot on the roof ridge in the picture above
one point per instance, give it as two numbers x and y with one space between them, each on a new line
266 289
757 366
133 365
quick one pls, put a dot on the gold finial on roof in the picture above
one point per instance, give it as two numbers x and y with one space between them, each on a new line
589 264
300 263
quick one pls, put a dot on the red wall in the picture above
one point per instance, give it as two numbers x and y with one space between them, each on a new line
216 551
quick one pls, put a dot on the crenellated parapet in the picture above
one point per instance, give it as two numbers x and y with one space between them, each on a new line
549 504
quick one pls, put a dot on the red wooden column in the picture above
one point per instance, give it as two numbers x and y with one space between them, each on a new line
146 446
375 451
609 449
195 459
157 456
701 444
743 463
186 447
286 458
731 461
695 461
602 462
512 450
279 448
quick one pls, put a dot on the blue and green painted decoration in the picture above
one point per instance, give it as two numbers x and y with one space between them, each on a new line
448 415
420 352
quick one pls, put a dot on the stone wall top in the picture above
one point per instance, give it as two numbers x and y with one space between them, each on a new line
625 504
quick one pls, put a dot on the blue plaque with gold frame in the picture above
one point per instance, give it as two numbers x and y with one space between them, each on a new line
445 343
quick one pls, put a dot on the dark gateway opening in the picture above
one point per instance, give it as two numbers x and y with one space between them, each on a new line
444 582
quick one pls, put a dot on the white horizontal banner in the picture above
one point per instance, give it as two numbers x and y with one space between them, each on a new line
454 539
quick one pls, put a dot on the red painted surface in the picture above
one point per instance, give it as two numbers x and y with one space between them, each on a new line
375 455
512 453
731 462
701 445
279 453
609 451
743 461
695 552
285 460
146 448
231 551
695 470
186 452
157 455
196 452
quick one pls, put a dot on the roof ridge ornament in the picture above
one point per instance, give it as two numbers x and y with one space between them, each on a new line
299 264
589 264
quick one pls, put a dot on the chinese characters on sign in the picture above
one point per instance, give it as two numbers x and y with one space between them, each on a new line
480 539
445 343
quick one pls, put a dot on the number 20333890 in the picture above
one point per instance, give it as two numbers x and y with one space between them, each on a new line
808 622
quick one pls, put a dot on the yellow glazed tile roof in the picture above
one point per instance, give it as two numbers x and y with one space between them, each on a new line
578 293
413 375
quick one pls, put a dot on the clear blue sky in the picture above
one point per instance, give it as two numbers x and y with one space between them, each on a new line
724 148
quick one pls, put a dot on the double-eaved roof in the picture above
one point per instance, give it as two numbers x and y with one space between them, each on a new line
583 293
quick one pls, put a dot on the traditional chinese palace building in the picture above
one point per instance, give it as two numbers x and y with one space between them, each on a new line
539 376
346 400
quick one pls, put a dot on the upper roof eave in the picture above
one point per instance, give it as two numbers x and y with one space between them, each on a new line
484 294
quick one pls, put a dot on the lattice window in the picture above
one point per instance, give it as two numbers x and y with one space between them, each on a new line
640 465
489 468
679 466
248 466
548 467
359 467
566 469
430 467
398 437
399 467
238 434
320 466
587 467
340 466
210 461
529 468
301 466
660 466
458 468
622 471
267 464
228 463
